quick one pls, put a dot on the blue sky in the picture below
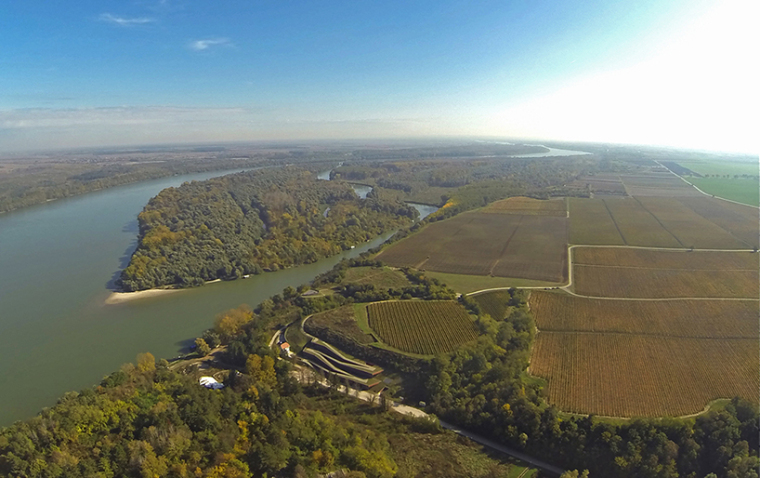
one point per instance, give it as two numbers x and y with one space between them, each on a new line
85 73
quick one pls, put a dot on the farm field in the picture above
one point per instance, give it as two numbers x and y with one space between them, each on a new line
644 274
384 277
722 167
604 281
688 227
701 222
524 206
659 184
591 223
658 259
421 327
637 226
559 312
627 375
476 243
740 189
741 221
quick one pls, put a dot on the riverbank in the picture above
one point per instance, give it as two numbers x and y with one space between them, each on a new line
121 297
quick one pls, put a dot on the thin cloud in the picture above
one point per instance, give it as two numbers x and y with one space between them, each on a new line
201 45
124 21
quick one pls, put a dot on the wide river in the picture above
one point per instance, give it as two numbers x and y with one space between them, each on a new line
56 262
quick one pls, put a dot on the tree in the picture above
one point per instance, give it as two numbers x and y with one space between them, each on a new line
201 347
146 362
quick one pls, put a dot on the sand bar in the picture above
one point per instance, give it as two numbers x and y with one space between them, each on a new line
119 297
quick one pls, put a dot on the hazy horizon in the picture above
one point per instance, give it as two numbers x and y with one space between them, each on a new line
114 74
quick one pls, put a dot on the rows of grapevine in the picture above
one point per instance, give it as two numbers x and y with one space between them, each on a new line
627 375
421 327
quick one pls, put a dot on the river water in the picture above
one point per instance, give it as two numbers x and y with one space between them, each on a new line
56 262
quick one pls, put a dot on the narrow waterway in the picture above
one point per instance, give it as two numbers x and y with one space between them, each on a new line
56 262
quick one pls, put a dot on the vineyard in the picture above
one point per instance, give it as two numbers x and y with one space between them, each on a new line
636 375
741 221
677 222
591 223
523 206
555 312
503 245
601 281
674 260
421 327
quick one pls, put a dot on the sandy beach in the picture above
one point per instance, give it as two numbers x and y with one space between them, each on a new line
119 297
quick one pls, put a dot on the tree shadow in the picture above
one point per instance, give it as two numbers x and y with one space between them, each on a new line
185 346
131 227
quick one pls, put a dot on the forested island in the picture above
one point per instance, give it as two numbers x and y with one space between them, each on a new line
247 223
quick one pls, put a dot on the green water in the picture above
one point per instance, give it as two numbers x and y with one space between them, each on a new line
56 263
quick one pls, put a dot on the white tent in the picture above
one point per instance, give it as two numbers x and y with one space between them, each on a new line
210 382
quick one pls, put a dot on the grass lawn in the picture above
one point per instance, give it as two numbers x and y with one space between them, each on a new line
746 191
465 284
295 337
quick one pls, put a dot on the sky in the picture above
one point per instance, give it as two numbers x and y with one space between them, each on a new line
80 73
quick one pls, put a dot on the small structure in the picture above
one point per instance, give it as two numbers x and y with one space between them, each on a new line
310 293
285 349
210 382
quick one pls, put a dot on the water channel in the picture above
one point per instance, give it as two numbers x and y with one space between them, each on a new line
56 260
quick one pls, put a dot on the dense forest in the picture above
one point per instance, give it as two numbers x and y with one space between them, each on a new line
246 223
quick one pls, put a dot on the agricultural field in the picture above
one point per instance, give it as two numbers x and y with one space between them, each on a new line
591 223
741 221
526 247
343 321
742 190
637 226
639 274
658 259
559 312
421 327
524 206
603 281
688 227
383 278
658 184
701 223
625 375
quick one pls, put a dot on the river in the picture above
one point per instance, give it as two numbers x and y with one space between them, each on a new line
56 261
